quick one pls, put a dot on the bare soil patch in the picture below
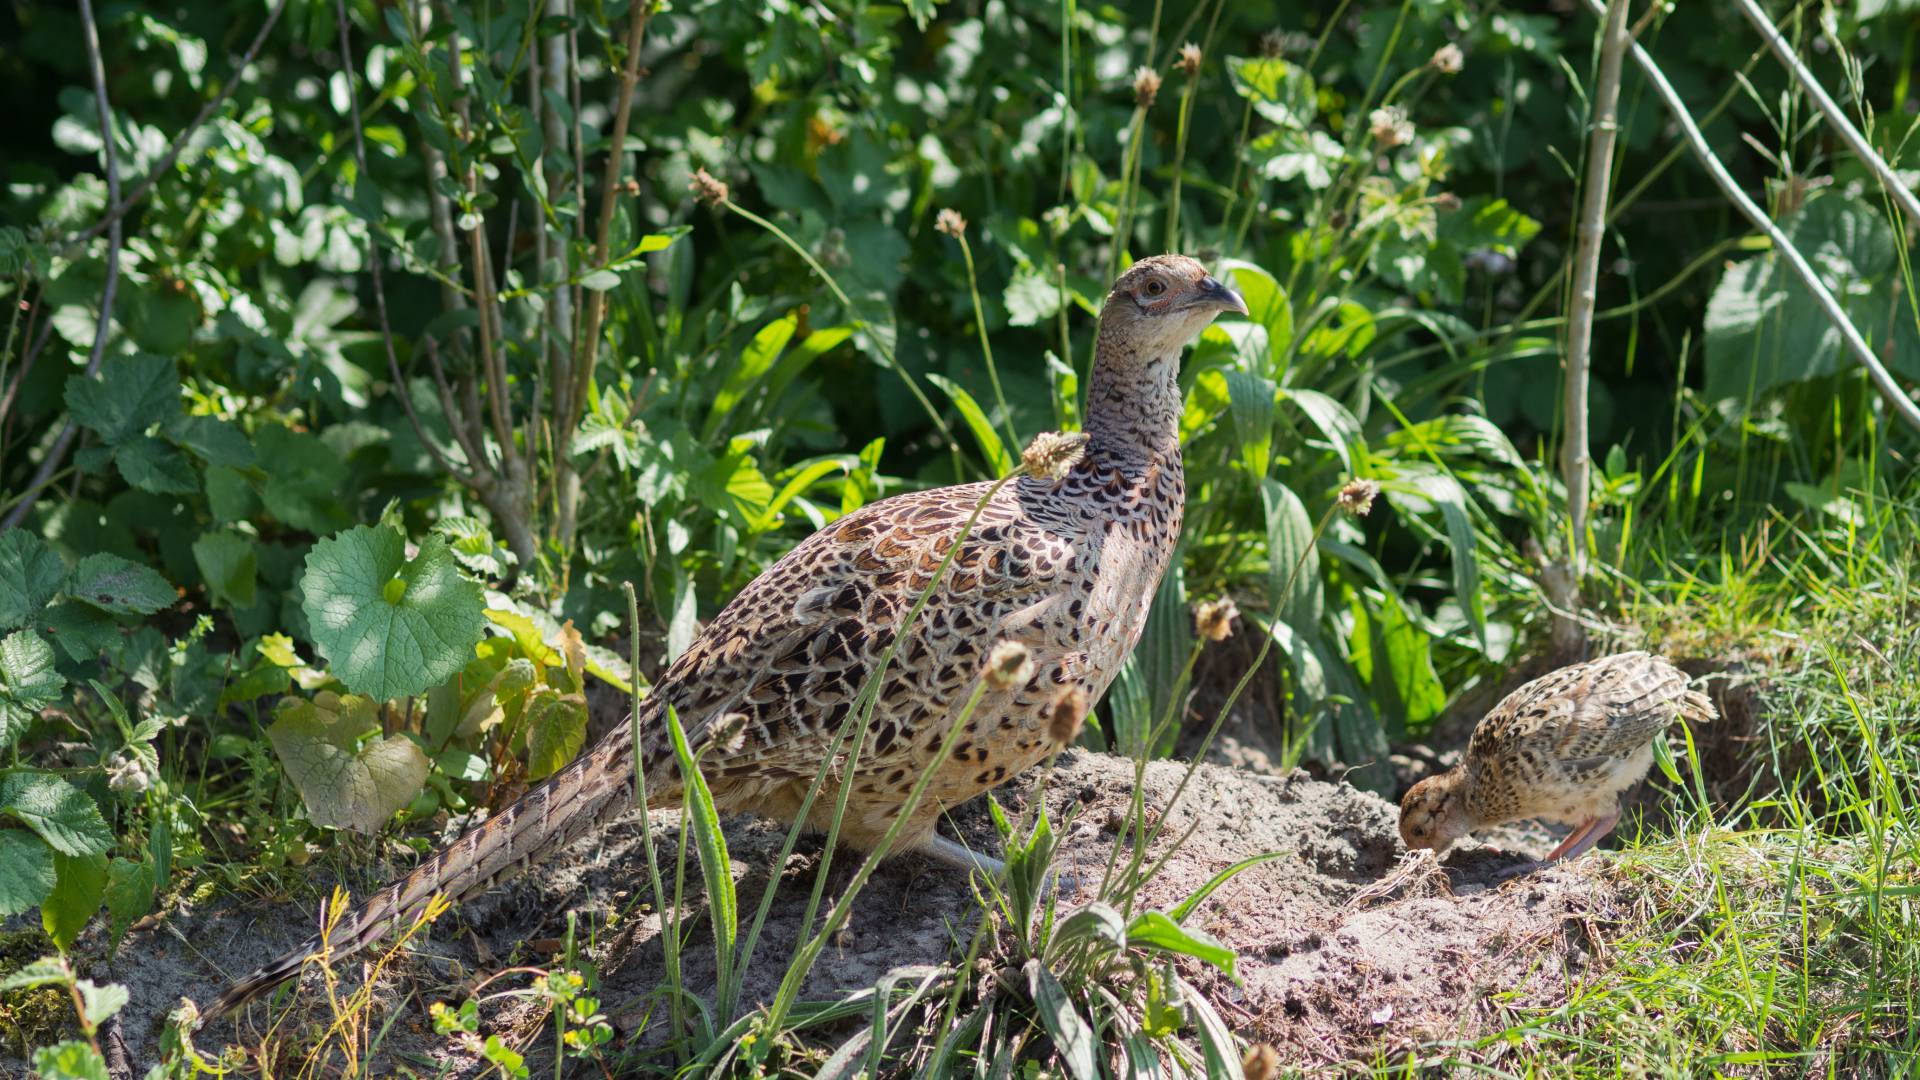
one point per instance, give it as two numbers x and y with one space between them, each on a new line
1349 947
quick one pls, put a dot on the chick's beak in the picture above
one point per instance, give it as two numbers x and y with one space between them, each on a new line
1213 294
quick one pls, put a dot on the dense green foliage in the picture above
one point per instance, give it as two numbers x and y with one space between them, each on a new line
422 345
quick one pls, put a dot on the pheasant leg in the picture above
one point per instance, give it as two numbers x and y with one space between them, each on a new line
1584 837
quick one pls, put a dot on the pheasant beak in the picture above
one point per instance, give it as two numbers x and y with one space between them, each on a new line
1212 294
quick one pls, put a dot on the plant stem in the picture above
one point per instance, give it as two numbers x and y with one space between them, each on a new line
1863 150
886 350
1576 465
96 68
669 943
986 348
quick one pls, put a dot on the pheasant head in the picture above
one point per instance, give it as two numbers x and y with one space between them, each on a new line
1163 302
1434 812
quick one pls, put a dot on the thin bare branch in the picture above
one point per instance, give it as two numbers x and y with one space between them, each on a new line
1896 398
165 165
1909 204
96 67
400 388
596 302
1576 464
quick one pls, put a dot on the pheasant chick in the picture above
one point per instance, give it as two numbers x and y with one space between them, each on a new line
1562 748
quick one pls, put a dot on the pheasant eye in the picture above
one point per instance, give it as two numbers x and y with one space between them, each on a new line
1156 287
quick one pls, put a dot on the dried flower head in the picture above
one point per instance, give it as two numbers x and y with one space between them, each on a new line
1447 59
1356 498
708 190
950 222
1052 454
1066 714
1446 202
1213 620
1261 1063
1146 86
1273 43
1008 665
729 733
1189 63
1390 127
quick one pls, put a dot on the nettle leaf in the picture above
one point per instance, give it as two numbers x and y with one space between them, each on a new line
556 730
131 395
28 682
345 783
70 1060
390 626
303 487
228 563
30 573
215 441
62 814
120 586
26 871
151 465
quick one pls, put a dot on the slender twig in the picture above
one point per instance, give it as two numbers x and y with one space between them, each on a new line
165 164
1782 48
1883 380
90 33
1576 464
400 389
610 185
986 349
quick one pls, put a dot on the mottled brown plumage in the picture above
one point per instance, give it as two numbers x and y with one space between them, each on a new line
1065 565
1564 747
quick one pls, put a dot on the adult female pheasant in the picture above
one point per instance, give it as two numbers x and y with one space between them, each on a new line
1065 567
1564 747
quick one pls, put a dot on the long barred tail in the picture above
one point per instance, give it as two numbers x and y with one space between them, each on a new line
591 789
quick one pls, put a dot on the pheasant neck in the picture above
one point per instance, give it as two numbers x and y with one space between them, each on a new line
1133 402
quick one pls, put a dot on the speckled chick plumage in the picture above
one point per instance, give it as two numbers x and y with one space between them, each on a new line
1066 566
1563 748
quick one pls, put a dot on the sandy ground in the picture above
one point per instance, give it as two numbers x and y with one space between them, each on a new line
1349 947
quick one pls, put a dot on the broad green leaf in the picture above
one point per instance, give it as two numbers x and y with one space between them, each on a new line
991 448
1267 305
215 441
82 631
1289 558
390 626
1072 1035
1250 398
26 871
30 573
227 561
28 682
70 1060
1155 930
1280 91
1764 329
1404 673
1031 298
79 882
46 971
119 586
804 477
130 888
345 783
153 465
1335 422
101 1002
303 487
62 814
556 730
132 394
601 280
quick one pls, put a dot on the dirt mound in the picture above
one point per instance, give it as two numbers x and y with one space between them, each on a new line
1348 945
